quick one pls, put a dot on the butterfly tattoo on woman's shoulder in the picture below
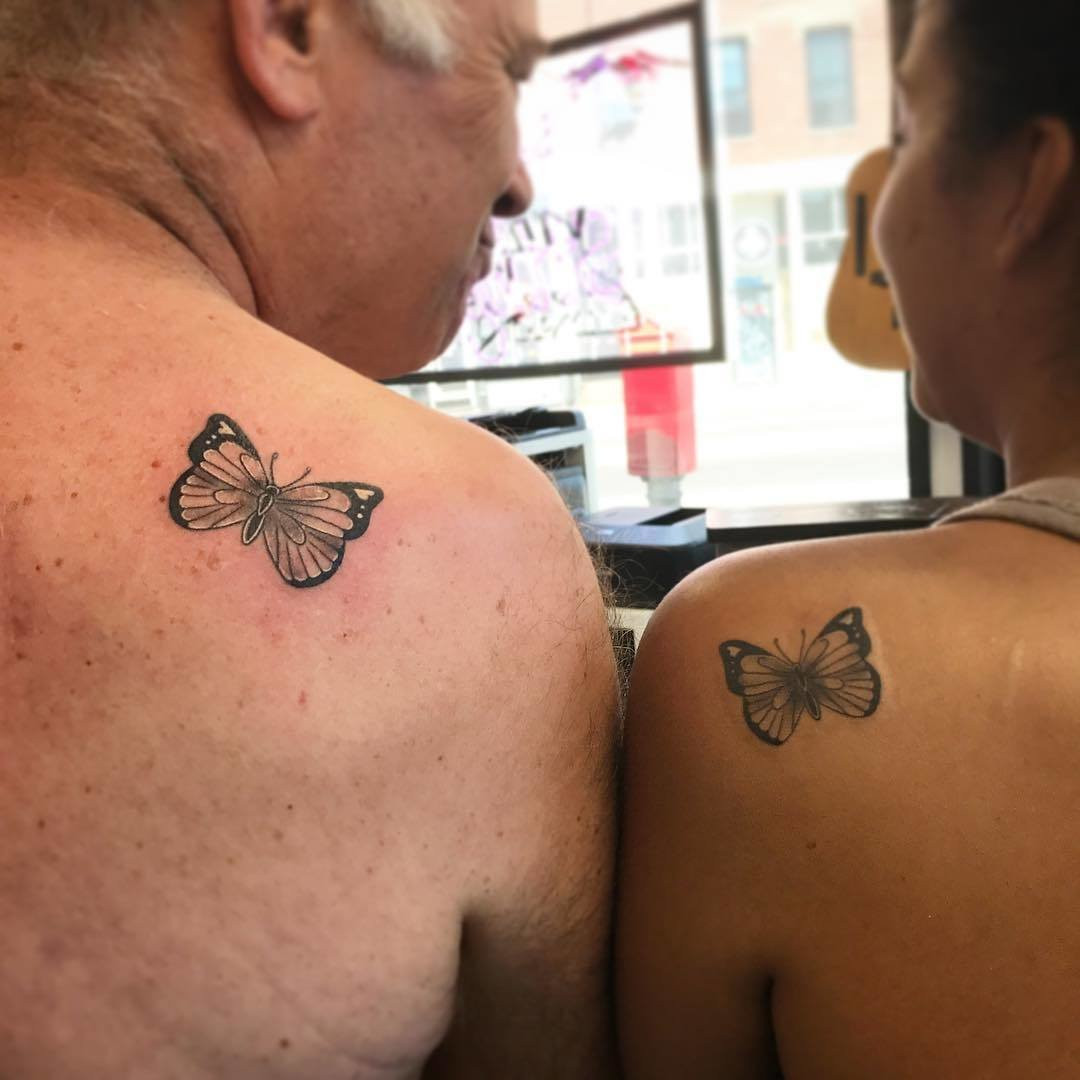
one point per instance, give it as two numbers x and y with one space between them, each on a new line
832 673
304 525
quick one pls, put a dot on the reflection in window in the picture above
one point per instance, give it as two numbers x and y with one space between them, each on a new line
735 86
832 93
824 225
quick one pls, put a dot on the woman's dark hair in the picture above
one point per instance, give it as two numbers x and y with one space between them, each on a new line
1014 60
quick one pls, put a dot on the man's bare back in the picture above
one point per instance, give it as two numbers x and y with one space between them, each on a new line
255 830
887 893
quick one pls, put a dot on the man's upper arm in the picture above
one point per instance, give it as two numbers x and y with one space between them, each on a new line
697 877
533 998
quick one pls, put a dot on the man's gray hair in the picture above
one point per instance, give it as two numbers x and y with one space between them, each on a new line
416 30
63 39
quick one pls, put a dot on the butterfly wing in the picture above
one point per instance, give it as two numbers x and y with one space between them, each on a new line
307 527
773 700
224 486
838 675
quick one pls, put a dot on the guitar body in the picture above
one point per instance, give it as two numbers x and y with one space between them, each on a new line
861 319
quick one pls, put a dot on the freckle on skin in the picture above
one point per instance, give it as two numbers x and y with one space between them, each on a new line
155 464
284 1044
27 499
41 823
161 498
74 494
18 346
38 568
302 700
58 563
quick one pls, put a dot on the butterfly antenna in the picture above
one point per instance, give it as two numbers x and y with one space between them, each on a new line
273 458
779 649
303 476
802 648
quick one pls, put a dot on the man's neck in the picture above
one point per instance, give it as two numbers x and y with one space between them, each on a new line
178 226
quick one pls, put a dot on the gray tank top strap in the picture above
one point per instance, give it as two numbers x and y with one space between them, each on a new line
1052 505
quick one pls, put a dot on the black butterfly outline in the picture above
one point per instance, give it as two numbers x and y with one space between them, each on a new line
304 526
831 673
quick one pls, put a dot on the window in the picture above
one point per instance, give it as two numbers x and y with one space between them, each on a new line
681 240
824 225
734 86
785 421
832 93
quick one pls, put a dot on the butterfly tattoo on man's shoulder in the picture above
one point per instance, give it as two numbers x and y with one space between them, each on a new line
832 673
304 525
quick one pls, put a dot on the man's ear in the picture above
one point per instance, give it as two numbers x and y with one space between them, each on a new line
1045 178
274 43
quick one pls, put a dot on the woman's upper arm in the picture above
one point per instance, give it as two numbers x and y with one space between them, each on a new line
693 969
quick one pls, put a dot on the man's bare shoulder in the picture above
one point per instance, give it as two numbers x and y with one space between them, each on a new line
469 559
430 524
365 638
468 529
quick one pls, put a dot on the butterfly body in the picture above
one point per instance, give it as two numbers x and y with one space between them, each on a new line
832 673
304 526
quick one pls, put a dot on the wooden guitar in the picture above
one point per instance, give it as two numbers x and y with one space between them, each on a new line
861 319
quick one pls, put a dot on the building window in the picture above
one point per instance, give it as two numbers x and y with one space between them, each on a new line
681 241
824 219
832 90
735 86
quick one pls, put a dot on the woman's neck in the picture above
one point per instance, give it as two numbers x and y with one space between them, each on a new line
1041 433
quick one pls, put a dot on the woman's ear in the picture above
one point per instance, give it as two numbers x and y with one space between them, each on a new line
1045 176
274 45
